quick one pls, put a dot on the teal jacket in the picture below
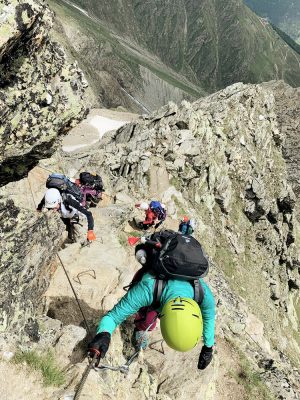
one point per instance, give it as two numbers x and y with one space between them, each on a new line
141 295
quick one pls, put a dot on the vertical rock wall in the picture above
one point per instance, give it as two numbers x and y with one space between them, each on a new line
41 97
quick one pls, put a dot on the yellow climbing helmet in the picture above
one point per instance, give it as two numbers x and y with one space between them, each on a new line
181 323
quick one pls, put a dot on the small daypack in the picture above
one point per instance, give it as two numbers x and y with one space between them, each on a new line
156 207
64 185
93 181
179 257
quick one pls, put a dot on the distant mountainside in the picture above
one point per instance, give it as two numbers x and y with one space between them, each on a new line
142 54
283 13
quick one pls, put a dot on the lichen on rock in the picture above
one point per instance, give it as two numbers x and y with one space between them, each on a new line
41 95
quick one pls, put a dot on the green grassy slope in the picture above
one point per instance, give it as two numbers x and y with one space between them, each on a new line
283 13
110 61
211 43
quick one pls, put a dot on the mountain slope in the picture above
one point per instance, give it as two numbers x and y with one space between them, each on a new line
142 54
216 43
120 71
283 13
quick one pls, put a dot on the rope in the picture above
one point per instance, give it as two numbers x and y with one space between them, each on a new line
29 184
46 169
77 300
84 377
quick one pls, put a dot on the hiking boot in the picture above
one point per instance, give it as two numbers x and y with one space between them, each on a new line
141 339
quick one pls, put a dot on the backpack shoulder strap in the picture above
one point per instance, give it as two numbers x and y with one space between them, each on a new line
157 292
198 291
67 200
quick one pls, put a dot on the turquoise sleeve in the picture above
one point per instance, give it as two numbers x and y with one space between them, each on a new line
208 314
139 296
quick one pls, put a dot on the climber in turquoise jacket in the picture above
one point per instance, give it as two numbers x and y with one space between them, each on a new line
180 317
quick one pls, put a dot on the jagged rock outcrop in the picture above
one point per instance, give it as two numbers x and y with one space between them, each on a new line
287 107
41 95
29 241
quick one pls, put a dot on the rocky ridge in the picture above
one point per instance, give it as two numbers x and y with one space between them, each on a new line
221 160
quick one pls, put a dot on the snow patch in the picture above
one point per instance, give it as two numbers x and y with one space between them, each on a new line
104 125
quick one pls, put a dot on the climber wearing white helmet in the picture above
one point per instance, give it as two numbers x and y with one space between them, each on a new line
155 214
69 209
52 198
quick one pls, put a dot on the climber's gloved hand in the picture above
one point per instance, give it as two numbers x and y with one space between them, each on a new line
91 236
99 345
205 357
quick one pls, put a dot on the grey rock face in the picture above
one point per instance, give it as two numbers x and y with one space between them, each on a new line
41 95
28 243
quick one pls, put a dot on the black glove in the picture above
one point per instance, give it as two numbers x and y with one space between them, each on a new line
205 357
99 345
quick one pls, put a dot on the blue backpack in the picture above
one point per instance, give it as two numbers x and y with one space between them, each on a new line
64 185
158 210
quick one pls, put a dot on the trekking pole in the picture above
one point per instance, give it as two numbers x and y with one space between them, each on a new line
75 295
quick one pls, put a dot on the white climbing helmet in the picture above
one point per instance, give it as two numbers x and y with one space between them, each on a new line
52 198
143 206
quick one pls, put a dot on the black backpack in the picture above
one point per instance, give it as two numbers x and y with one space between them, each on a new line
64 185
177 257
93 181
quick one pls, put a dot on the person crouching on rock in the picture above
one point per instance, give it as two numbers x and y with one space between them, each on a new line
155 214
69 209
182 320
